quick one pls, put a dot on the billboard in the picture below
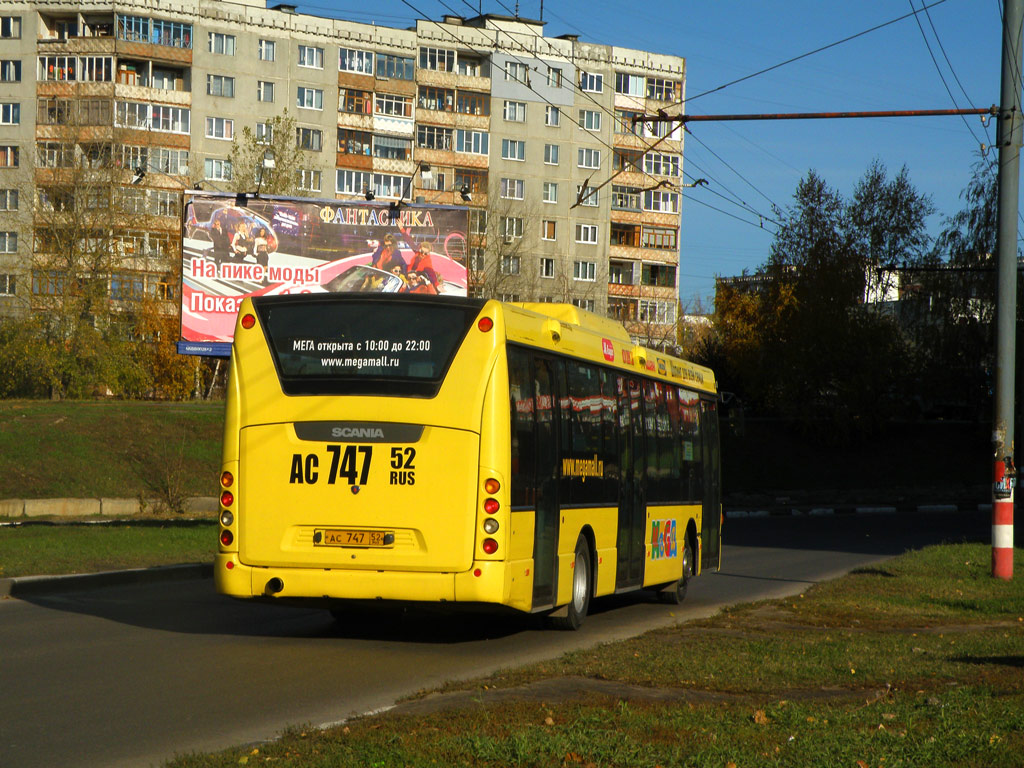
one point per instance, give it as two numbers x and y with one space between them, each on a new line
235 246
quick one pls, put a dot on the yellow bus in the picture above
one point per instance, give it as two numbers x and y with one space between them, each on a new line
452 449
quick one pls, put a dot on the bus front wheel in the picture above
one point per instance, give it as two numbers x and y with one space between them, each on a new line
571 616
675 593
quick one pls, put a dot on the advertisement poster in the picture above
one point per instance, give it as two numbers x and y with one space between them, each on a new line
233 247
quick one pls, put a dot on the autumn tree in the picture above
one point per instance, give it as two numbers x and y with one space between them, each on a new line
274 139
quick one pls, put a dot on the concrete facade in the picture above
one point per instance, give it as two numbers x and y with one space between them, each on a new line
575 202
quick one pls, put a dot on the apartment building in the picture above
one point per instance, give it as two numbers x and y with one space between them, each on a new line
570 199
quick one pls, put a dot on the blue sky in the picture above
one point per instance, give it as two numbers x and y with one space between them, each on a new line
752 165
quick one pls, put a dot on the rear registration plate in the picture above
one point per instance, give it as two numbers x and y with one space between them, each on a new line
348 537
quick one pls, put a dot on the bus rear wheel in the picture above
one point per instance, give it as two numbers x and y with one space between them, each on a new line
571 616
675 593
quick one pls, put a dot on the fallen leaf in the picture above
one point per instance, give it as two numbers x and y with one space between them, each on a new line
760 717
861 764
548 721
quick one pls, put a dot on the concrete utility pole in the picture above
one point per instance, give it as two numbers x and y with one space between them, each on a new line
1009 141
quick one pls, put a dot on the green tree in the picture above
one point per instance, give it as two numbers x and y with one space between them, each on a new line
249 151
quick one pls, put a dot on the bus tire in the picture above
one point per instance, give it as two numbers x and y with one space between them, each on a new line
571 616
675 593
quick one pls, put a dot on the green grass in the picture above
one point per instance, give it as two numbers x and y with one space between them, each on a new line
915 663
117 449
30 550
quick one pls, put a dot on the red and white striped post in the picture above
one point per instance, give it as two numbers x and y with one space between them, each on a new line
1002 519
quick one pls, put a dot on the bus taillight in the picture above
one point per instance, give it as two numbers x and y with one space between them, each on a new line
226 538
485 324
248 321
492 486
491 506
491 525
227 499
490 546
226 479
226 518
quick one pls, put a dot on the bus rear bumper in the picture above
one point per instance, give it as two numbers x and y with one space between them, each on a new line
484 582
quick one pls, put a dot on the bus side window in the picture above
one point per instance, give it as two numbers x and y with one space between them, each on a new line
522 407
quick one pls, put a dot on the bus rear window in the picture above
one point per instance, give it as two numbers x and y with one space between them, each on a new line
341 344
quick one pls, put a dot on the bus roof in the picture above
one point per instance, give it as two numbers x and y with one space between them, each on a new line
567 329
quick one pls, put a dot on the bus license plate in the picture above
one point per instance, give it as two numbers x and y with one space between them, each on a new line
353 538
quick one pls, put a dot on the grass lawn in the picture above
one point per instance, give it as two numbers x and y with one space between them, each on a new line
121 449
32 550
919 662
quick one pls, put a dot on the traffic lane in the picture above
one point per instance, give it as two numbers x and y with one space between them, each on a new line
132 675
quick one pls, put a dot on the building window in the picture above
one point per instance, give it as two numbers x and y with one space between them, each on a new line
586 233
620 272
354 142
470 66
657 311
169 119
8 199
630 85
309 139
220 85
220 128
625 198
308 180
625 124
10 114
662 90
437 59
584 270
398 67
392 147
311 56
471 103
267 50
516 71
10 71
355 102
8 242
549 192
434 137
217 170
10 26
477 221
264 133
310 98
512 227
659 275
6 285
8 157
471 142
587 196
264 90
661 202
53 154
392 104
515 111
658 237
658 164
554 77
353 182
547 232
588 158
58 68
390 185
547 266
218 42
475 181
551 154
513 149
552 115
172 161
510 265
352 60
513 189
96 69
590 120
438 99
591 82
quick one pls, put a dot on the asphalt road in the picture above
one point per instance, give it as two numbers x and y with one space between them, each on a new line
132 675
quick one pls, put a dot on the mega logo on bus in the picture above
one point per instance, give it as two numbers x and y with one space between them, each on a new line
663 539
608 349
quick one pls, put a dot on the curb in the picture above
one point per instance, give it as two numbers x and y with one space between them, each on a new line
21 586
876 509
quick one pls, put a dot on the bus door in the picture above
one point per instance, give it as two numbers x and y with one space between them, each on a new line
711 517
546 378
631 541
